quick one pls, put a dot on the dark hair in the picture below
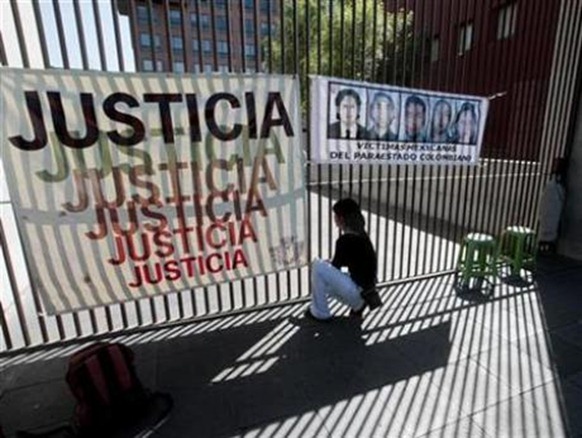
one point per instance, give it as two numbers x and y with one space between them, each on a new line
350 212
347 92
415 100
383 96
441 102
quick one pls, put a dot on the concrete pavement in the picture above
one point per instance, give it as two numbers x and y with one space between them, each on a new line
428 363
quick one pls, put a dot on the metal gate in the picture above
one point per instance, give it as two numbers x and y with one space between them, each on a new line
523 55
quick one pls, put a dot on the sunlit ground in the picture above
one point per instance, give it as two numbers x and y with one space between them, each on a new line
428 362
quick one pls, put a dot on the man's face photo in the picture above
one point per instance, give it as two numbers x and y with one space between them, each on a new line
441 118
415 117
382 112
348 110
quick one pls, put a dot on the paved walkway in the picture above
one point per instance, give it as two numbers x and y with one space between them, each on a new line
428 363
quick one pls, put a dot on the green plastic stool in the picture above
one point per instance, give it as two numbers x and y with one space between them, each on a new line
517 247
477 258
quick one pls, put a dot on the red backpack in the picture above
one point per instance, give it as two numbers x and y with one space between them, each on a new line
109 394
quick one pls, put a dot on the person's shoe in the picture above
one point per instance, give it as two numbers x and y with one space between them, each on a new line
357 313
312 317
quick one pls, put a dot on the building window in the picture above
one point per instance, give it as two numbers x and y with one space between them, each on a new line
222 48
250 4
206 46
250 50
175 16
196 68
204 20
249 27
434 49
178 67
193 19
221 23
148 65
465 38
177 43
506 21
143 15
194 45
223 68
208 68
146 40
265 5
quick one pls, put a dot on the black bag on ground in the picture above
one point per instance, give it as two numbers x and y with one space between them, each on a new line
111 401
371 297
109 394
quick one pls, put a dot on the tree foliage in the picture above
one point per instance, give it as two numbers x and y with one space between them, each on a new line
355 39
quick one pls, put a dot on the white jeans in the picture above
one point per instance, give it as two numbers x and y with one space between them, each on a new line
328 281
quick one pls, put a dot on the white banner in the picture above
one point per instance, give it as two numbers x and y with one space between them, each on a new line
131 185
362 123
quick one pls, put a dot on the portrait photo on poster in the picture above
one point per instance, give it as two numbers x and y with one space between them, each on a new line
414 118
347 112
383 109
465 125
442 110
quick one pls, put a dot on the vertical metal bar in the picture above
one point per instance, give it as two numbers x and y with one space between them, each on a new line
413 169
319 184
102 57
81 35
270 36
41 35
20 34
153 48
17 301
295 40
229 35
395 16
120 60
308 132
214 39
382 78
5 331
199 36
170 51
150 10
243 36
373 77
121 64
417 214
486 181
331 166
257 42
399 168
61 34
369 168
186 36
352 76
449 175
434 26
493 164
3 59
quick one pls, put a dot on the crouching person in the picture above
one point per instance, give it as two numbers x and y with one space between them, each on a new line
354 251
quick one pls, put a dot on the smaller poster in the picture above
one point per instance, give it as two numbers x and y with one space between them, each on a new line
362 123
